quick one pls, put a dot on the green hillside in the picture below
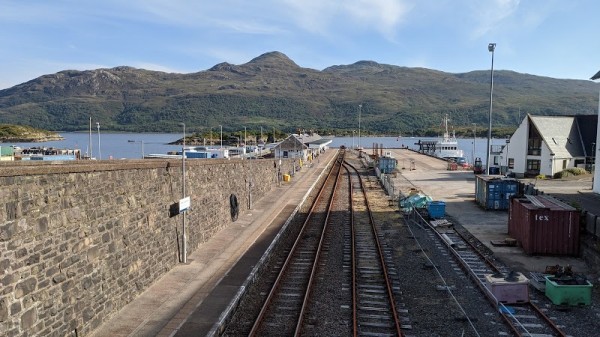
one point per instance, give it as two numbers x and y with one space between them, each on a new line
21 133
271 91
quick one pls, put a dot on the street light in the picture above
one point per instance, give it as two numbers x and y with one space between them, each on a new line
184 237
359 111
491 48
221 126
474 137
99 152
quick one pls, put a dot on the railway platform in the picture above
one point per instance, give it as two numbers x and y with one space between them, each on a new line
189 299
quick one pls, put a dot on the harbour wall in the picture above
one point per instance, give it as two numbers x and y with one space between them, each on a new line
80 240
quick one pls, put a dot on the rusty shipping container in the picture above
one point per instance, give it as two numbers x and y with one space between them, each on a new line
544 225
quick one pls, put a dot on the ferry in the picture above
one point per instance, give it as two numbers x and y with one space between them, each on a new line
446 147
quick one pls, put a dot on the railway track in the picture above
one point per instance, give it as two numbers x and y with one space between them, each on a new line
282 311
297 300
524 318
374 305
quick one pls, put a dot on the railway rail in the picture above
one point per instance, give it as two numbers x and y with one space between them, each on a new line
282 311
374 306
291 305
524 318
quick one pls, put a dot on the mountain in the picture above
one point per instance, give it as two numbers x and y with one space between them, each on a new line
272 91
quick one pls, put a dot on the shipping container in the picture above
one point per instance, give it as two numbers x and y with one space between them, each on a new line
493 192
387 165
544 225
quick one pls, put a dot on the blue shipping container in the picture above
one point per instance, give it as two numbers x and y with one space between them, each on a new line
387 165
495 192
436 209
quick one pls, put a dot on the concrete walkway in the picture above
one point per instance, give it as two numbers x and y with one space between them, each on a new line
457 190
164 307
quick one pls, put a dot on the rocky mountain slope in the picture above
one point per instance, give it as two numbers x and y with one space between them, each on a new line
271 91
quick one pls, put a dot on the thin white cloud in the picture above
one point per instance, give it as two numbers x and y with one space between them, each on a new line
320 17
250 27
384 15
489 14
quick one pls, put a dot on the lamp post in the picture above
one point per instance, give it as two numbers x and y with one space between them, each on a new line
184 236
491 48
99 152
596 177
359 111
221 126
507 142
353 131
474 137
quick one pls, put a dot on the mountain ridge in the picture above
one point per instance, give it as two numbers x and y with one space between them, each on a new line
272 91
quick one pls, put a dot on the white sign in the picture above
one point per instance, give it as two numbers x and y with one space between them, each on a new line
184 204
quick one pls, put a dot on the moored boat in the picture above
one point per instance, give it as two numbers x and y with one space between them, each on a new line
446 147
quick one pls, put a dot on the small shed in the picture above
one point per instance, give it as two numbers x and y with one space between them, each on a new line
544 225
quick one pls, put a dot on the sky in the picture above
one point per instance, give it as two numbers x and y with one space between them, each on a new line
554 38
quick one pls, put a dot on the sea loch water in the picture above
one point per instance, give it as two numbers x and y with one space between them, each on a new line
134 145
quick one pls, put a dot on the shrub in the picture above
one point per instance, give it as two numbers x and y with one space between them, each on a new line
573 171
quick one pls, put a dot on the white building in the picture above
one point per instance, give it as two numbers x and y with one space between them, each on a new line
545 145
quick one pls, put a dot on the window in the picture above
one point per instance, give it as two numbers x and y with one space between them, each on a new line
564 164
534 146
511 163
533 165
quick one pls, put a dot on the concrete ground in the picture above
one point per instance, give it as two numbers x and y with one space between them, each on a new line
457 190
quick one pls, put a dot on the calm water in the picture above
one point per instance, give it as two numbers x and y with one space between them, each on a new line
129 145
112 145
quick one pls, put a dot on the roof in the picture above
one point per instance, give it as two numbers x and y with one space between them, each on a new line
597 76
322 141
563 134
308 138
291 143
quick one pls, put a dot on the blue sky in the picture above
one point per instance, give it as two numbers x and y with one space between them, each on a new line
555 38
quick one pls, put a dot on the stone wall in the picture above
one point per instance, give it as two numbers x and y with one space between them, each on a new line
80 240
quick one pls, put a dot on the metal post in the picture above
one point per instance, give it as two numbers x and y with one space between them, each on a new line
184 240
491 48
99 153
221 126
359 111
90 140
474 138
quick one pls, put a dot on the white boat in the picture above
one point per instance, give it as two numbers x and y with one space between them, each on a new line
446 147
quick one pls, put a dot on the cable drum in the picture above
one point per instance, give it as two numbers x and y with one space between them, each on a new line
234 207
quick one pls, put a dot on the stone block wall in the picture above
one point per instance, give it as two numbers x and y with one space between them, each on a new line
80 240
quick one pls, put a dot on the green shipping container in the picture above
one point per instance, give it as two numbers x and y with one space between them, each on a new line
571 293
